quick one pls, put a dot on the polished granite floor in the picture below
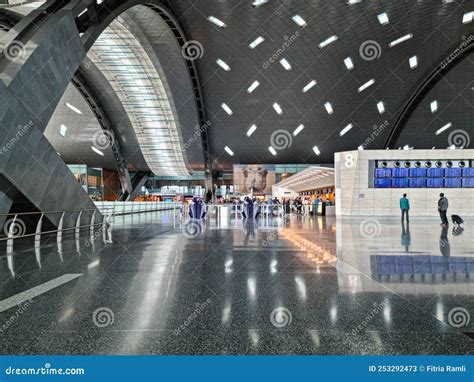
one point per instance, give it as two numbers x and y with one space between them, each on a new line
301 285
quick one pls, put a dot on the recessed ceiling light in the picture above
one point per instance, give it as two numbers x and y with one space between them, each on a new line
97 151
298 130
468 17
413 62
349 64
434 106
256 42
223 64
229 151
400 40
316 150
299 20
286 65
227 109
345 129
258 3
380 107
351 2
277 108
272 150
252 87
217 22
62 130
328 108
328 41
309 86
444 128
73 108
251 130
360 148
383 18
366 85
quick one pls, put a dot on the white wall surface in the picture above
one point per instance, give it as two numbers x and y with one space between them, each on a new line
355 198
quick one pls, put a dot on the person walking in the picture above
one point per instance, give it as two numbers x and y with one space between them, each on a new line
443 205
405 207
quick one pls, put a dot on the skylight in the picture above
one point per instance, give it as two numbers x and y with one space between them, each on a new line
345 130
413 62
349 64
299 20
444 128
223 64
383 18
328 41
97 151
328 108
62 130
227 109
252 87
277 108
251 130
73 108
380 107
229 151
400 40
286 65
468 17
216 21
298 130
256 42
258 3
366 85
309 86
434 106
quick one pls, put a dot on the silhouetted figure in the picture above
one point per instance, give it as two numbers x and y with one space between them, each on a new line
443 209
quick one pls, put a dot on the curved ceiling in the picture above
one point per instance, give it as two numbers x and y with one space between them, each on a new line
321 41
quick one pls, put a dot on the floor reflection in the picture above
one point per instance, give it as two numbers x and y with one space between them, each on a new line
292 285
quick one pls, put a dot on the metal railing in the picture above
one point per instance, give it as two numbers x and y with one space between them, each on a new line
15 224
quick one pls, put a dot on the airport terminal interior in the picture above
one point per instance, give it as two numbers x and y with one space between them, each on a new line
209 177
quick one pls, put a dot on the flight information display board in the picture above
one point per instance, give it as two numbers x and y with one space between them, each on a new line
424 177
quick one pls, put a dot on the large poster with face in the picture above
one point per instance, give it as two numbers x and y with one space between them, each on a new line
254 178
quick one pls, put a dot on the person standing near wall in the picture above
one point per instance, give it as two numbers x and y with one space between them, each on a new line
443 209
405 207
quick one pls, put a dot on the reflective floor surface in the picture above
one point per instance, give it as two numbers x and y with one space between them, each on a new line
300 285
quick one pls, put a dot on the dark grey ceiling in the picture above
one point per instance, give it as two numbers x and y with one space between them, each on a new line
436 27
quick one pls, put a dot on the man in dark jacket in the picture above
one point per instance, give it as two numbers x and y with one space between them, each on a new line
405 207
443 209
